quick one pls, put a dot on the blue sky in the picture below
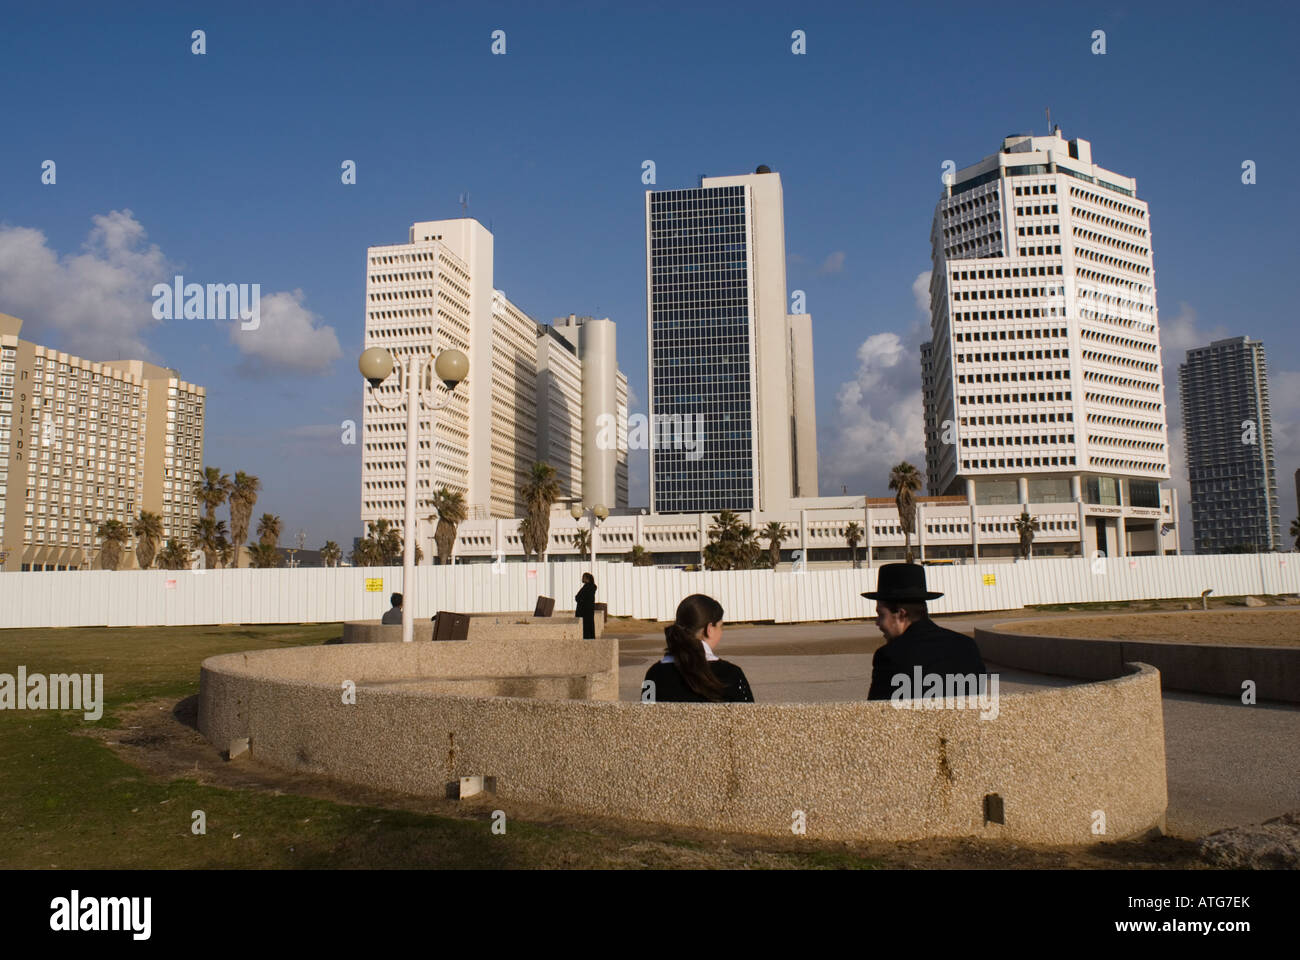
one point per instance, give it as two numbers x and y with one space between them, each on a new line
229 166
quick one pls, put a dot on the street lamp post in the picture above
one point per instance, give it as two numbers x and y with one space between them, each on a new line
451 367
598 513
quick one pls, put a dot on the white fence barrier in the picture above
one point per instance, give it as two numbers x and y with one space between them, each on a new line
319 595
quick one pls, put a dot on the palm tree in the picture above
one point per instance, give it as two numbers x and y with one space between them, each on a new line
213 490
114 533
1025 526
268 529
263 556
582 542
526 536
733 544
209 536
366 553
905 479
853 534
330 554
539 495
1295 532
243 497
225 549
148 531
387 541
173 557
775 533
639 556
450 507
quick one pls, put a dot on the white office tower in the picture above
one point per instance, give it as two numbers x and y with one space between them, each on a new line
582 409
434 293
1043 379
724 350
85 442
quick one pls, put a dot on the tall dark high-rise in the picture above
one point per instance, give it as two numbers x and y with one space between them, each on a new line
730 370
1229 433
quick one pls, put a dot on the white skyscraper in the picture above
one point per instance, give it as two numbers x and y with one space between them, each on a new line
1043 380
436 292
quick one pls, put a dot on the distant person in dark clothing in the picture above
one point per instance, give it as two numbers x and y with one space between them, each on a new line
586 606
395 614
912 639
690 671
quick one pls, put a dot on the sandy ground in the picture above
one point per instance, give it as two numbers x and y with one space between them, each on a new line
1250 627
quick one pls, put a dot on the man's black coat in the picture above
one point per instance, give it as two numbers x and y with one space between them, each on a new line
927 645
585 608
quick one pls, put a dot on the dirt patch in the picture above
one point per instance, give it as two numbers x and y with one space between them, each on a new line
160 737
1271 628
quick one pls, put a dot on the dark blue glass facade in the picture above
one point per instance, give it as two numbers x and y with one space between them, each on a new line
700 351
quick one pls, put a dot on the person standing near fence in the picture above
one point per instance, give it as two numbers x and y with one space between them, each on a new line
586 606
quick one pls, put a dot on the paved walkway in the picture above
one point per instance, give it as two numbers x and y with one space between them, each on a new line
1227 764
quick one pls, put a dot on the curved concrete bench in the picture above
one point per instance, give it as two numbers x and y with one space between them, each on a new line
376 631
1192 667
860 770
482 626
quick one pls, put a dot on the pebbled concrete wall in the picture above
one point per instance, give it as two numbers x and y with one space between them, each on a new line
863 770
487 626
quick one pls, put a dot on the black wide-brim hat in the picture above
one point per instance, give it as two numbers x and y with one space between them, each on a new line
902 583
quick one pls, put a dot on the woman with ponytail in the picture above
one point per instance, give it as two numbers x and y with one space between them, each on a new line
690 671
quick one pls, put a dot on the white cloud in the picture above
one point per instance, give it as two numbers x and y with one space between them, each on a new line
832 264
289 338
878 419
97 303
1183 332
921 293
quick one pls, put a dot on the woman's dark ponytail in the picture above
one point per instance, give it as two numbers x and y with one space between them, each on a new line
683 640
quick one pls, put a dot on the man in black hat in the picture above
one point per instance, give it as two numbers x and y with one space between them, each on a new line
912 638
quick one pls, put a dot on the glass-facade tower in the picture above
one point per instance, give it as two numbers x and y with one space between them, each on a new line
1228 425
701 351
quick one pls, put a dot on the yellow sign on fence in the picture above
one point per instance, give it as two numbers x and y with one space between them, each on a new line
990 579
374 584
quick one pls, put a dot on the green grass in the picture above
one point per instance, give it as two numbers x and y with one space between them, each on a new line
69 801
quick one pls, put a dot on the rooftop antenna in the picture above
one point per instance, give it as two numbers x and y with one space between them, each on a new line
464 204
1049 121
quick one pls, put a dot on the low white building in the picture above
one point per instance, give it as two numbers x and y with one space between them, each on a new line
948 528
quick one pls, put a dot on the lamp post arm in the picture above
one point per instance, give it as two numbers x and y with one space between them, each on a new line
401 378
